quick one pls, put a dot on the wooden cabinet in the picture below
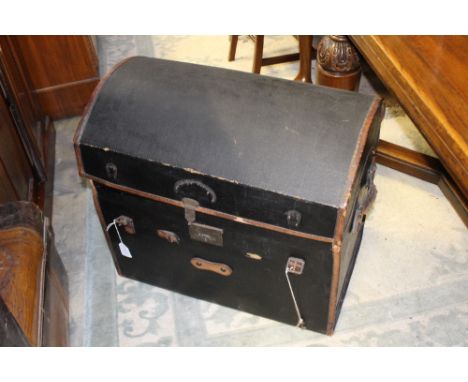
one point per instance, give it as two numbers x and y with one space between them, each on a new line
24 132
16 172
33 290
40 77
63 71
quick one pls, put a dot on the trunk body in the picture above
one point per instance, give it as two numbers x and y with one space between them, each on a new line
243 190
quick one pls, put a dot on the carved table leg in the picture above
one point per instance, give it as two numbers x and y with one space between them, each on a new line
338 63
305 54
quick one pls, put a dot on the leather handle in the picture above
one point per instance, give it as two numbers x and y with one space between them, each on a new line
205 265
365 198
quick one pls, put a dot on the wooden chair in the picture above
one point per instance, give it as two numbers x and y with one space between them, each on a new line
305 55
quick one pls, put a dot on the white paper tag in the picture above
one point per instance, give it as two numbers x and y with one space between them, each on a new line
124 250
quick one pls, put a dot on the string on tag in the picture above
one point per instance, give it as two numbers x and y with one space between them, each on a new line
124 250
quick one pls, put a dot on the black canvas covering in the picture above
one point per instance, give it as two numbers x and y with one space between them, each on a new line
265 170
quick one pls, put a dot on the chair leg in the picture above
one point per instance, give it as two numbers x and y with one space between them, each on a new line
305 65
233 47
258 55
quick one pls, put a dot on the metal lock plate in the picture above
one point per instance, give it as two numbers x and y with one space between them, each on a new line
206 234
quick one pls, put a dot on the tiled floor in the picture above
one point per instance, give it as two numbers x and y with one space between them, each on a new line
409 287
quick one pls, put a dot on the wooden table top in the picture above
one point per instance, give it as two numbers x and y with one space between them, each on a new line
429 76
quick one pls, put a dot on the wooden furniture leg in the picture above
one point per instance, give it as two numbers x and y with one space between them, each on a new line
426 168
233 47
278 59
258 54
305 59
260 61
338 63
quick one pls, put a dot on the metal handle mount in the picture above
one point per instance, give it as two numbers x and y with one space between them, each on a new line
295 266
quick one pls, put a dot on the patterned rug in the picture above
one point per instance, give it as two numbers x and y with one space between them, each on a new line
409 286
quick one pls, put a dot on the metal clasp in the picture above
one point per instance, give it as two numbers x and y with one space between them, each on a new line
190 207
200 232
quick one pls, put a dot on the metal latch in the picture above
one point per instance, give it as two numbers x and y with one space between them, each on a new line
197 231
190 206
295 266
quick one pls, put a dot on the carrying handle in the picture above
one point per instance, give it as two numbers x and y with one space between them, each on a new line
205 265
180 184
365 198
